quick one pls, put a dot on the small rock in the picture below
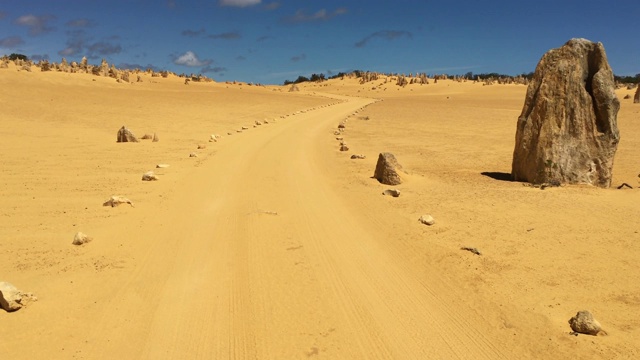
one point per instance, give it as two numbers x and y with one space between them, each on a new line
12 299
202 146
155 138
471 249
81 238
427 220
245 128
149 176
344 148
392 192
584 323
193 155
258 122
339 138
229 133
162 166
117 200
147 137
358 156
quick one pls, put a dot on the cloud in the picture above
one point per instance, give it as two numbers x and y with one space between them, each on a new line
80 23
190 59
103 48
272 6
385 34
193 33
11 42
264 38
215 69
232 35
133 66
38 57
320 15
298 57
37 25
239 3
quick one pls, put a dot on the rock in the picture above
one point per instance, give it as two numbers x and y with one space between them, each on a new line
584 323
155 138
567 131
358 156
149 176
341 126
627 97
146 137
12 299
258 122
337 132
427 220
388 169
80 239
391 192
117 200
162 166
202 146
339 138
193 155
344 147
245 128
125 135
636 97
294 87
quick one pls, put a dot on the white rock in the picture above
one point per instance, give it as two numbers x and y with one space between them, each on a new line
117 200
427 220
149 176
12 299
81 238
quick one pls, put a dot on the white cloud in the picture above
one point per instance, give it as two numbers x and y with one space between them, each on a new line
190 59
240 3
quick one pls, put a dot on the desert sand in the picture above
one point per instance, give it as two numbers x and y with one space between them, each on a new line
273 244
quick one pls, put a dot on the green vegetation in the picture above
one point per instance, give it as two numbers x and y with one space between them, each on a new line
14 57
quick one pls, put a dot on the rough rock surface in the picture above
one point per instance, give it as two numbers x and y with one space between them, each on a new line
567 131
427 220
388 169
125 135
12 299
149 176
636 97
81 238
584 323
358 156
117 200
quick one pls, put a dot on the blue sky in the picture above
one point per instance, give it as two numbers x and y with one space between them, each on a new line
268 41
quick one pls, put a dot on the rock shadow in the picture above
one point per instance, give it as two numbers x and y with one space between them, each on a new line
498 175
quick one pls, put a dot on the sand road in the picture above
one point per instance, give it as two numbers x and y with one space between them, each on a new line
255 255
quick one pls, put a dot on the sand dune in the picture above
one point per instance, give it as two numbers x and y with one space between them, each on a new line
273 244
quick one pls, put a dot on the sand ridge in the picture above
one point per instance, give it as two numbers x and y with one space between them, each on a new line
274 244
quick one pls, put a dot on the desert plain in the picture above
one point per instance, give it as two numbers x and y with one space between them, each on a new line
273 244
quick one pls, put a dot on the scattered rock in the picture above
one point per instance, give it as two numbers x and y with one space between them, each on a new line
337 132
341 126
627 97
339 138
149 176
12 299
427 220
193 155
391 192
201 146
584 323
146 137
162 166
81 238
387 169
258 122
636 97
245 128
117 200
125 135
344 147
229 133
567 131
155 138
293 88
358 156
471 249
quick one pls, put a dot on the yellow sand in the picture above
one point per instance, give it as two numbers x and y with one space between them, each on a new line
272 244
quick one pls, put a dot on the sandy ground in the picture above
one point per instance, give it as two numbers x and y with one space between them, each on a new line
272 244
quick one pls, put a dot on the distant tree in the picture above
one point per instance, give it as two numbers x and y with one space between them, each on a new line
301 79
317 77
18 56
288 82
